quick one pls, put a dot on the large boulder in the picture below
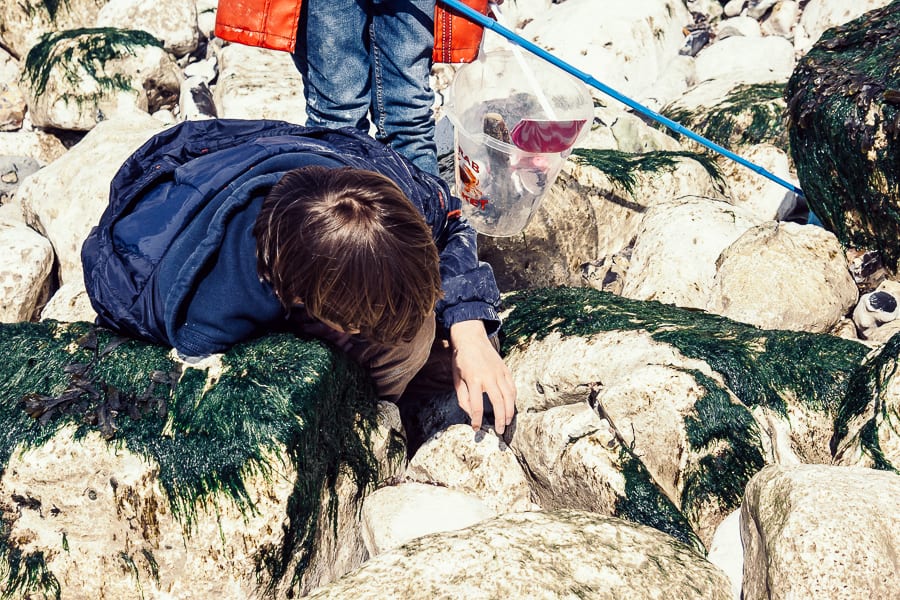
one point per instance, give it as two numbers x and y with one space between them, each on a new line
558 554
676 248
818 531
867 431
659 414
234 477
77 78
844 106
784 276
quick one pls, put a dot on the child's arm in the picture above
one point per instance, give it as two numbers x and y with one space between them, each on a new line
478 369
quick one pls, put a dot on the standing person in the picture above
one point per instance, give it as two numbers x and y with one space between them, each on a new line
375 55
220 231
360 58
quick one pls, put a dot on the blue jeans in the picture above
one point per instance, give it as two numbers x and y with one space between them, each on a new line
357 56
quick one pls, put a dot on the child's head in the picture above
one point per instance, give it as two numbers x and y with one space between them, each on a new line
351 247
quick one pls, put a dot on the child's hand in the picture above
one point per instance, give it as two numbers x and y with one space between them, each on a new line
477 369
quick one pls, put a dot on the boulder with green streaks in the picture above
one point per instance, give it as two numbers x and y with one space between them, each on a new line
75 78
651 412
868 428
128 473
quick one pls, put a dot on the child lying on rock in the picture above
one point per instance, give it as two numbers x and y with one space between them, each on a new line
223 230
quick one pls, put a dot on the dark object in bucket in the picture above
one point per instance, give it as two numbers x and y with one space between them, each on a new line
845 131
495 127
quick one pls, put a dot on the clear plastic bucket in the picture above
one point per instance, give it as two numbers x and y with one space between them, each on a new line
512 138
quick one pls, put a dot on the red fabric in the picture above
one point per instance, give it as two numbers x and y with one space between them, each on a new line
456 39
265 23
273 24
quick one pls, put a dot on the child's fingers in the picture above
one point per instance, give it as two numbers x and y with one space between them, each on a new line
462 398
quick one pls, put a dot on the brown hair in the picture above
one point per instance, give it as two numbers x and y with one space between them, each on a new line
351 246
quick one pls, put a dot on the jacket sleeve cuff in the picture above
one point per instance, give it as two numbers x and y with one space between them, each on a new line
471 311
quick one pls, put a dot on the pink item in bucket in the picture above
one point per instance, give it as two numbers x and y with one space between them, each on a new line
533 135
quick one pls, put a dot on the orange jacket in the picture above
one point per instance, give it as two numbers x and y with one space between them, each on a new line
273 24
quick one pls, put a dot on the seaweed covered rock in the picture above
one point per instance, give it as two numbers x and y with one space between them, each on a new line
661 415
818 531
555 554
868 429
126 472
76 78
732 115
844 108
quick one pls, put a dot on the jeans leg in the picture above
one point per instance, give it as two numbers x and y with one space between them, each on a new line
402 38
332 56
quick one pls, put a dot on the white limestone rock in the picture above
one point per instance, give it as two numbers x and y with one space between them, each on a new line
871 438
206 17
12 106
582 399
741 59
877 313
727 552
784 276
479 464
782 19
40 145
629 43
819 15
558 554
255 83
818 531
737 26
73 98
23 22
676 248
70 303
173 23
757 8
397 514
26 259
64 200
764 198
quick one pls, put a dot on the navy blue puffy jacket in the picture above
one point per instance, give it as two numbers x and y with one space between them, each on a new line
173 259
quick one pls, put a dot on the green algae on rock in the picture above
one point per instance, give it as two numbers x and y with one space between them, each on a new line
844 108
749 114
206 429
778 370
86 49
621 167
762 367
874 397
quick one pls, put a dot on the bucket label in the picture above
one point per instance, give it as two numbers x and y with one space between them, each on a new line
470 171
